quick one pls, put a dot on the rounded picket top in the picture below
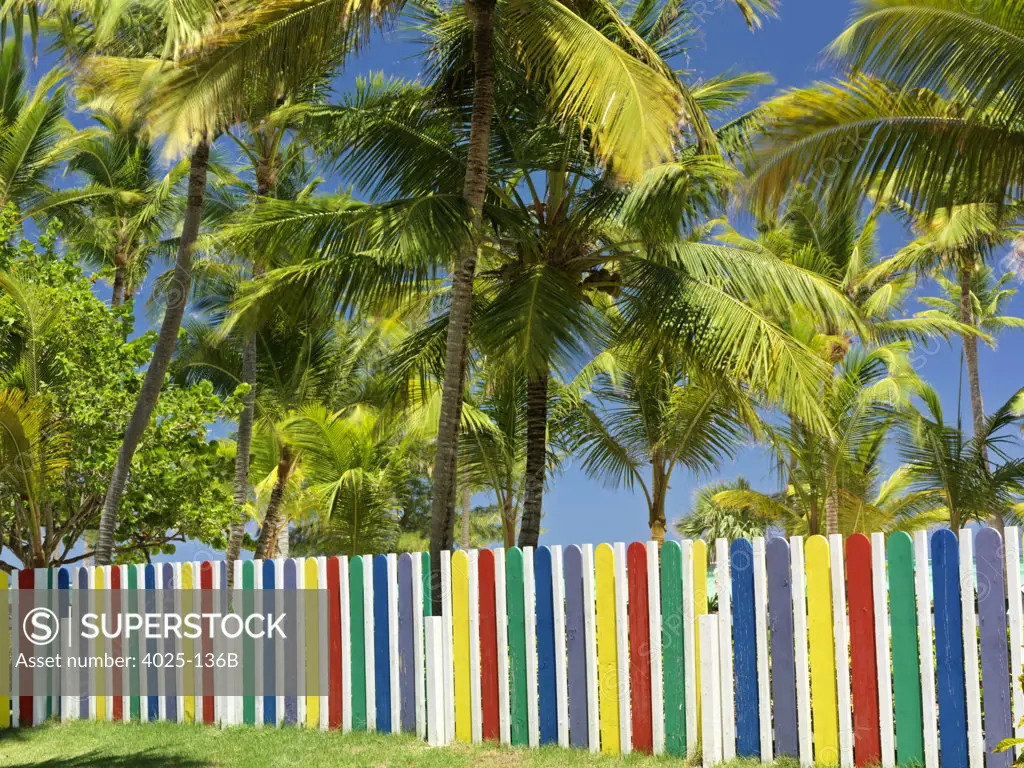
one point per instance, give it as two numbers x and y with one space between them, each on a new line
741 554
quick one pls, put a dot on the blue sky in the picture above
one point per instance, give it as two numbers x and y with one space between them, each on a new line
790 48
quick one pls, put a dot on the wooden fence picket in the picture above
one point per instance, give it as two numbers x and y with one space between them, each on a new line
780 621
861 600
607 649
672 648
994 649
547 700
744 643
972 682
906 669
639 625
949 650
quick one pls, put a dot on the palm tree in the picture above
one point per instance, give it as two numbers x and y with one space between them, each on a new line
988 299
652 417
551 179
556 260
959 239
120 219
835 242
830 476
615 85
33 454
709 520
931 109
355 463
295 369
279 170
876 505
126 74
34 134
972 478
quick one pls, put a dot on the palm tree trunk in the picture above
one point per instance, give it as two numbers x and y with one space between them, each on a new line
266 547
243 450
971 349
283 542
243 447
475 185
536 458
117 296
832 511
659 490
177 297
970 342
464 540
508 523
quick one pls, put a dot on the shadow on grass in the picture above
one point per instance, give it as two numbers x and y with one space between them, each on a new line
148 758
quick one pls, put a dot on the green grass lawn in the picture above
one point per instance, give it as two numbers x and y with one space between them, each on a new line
115 745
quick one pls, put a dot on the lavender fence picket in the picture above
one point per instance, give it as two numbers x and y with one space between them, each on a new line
995 663
780 623
576 647
170 671
406 655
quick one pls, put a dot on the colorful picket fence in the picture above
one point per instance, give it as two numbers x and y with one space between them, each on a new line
868 651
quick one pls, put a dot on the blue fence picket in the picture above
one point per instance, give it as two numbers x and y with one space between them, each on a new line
949 649
269 646
291 703
152 673
382 660
744 638
64 585
547 716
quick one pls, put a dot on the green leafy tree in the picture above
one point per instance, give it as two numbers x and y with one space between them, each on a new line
70 371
